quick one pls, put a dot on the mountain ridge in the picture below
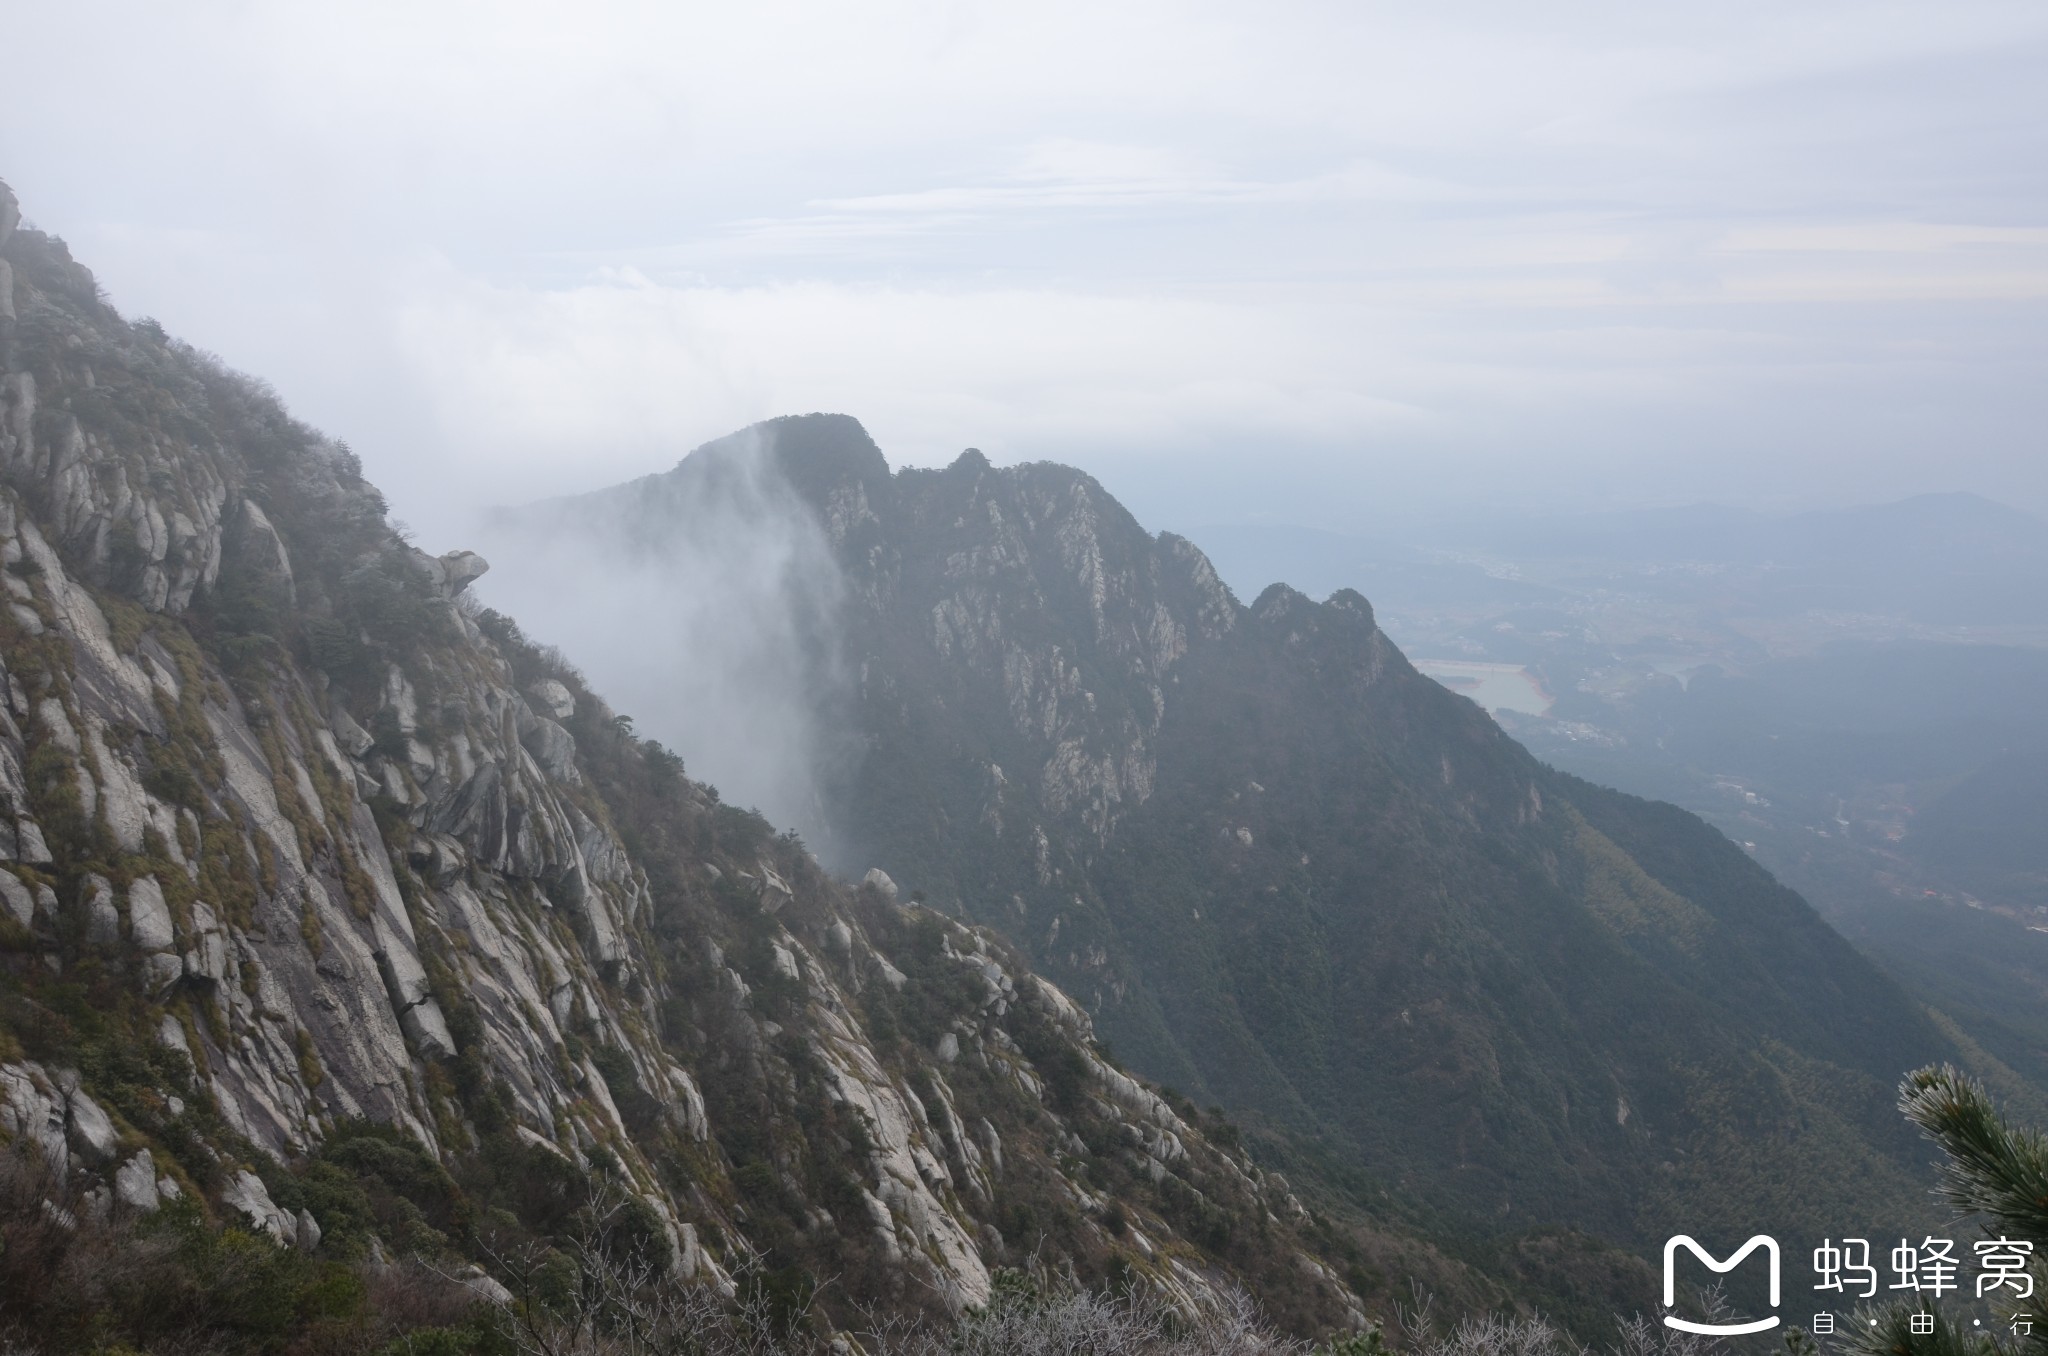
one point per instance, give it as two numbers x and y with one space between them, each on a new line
1286 871
341 916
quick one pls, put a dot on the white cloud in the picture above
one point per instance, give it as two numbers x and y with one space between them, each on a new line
637 372
516 248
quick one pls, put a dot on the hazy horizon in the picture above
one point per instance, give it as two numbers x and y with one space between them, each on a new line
1329 265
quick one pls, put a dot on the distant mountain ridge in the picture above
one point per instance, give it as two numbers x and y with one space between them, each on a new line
1950 522
1288 873
334 910
1935 558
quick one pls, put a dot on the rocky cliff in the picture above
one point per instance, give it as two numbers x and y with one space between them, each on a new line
1283 870
335 907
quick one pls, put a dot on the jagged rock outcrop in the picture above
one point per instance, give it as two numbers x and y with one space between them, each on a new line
318 873
1283 870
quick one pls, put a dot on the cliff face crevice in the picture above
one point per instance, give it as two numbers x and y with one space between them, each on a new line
295 838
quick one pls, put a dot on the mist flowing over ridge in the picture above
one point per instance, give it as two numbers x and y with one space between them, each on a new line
335 910
1287 872
708 603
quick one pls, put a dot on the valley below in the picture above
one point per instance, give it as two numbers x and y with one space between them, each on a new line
1854 698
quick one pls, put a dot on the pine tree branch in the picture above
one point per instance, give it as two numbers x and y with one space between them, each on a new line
1993 1168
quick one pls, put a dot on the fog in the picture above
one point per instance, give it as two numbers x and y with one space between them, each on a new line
1368 269
704 604
1306 263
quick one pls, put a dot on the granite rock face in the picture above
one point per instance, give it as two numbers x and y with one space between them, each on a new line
346 850
1284 871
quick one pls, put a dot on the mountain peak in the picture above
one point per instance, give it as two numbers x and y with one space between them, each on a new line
347 913
817 452
1278 601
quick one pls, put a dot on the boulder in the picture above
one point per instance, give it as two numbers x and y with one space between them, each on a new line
32 1111
878 880
102 919
686 1105
401 700
405 982
426 1027
259 552
553 749
992 1145
207 961
460 569
775 891
30 849
90 1130
437 857
149 918
15 896
160 972
246 1194
57 721
307 1235
535 1139
553 698
354 740
484 1286
135 1183
690 1255
404 976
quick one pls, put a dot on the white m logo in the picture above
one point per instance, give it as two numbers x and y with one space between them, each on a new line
1713 1264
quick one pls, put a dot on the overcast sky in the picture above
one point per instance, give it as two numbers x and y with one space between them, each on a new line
1284 262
